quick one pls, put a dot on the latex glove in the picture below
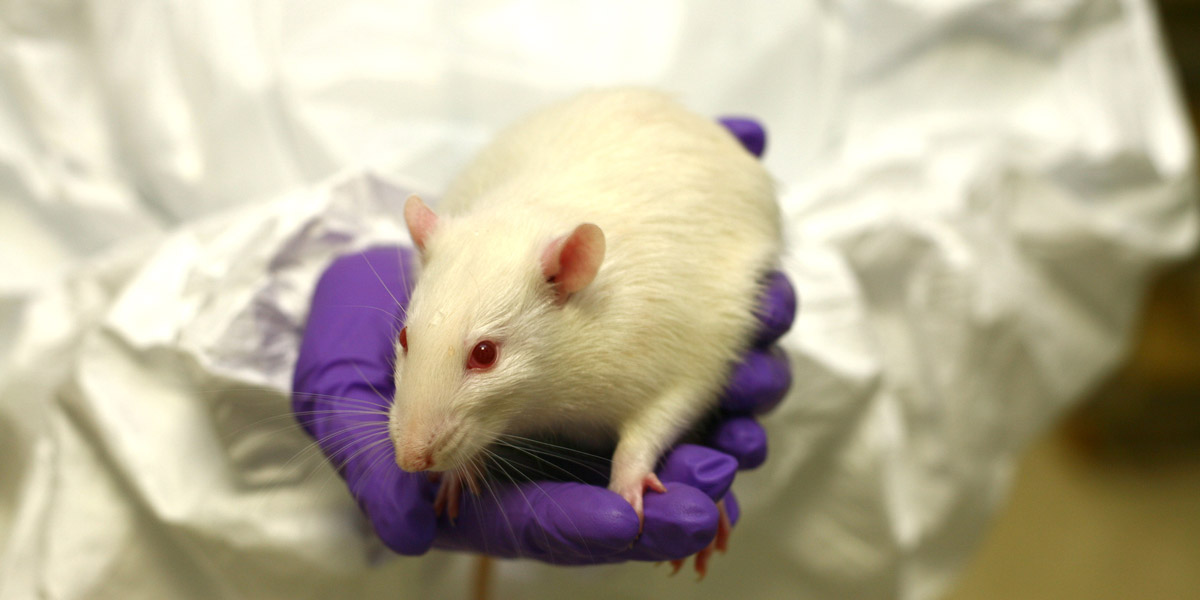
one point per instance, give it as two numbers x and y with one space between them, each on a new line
343 386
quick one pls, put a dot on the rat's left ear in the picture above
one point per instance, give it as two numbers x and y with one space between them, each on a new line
571 262
421 221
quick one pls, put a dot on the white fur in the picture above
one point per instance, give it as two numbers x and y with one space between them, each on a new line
690 224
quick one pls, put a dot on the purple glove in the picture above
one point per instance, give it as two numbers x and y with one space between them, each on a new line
343 386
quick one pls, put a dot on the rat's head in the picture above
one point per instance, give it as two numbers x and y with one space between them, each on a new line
479 334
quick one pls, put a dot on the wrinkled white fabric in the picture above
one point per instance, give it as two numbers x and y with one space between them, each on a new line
976 193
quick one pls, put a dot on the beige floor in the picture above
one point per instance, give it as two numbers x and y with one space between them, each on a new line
1108 505
1080 527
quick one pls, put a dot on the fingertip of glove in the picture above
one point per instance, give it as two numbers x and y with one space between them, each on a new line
759 382
554 522
678 524
743 439
777 309
409 532
409 541
400 509
589 518
748 132
733 510
708 470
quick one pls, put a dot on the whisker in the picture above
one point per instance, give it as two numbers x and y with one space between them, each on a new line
560 508
391 315
382 461
345 460
405 283
368 448
367 381
537 454
335 411
520 490
558 446
500 509
281 395
380 279
331 444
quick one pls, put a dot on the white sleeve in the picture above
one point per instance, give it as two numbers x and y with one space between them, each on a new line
972 257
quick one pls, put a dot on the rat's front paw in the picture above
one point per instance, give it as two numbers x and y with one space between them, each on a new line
450 491
632 489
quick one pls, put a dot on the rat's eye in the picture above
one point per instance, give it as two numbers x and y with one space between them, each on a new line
483 355
404 339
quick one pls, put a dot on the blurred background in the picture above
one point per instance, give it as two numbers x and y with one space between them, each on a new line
1107 504
213 105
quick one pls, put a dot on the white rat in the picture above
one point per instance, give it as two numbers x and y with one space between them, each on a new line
594 277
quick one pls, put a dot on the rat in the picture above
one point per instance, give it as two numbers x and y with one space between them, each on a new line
593 276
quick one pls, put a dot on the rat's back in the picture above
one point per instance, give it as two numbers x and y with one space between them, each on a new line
631 153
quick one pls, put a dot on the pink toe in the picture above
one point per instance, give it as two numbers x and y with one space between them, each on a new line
652 482
677 564
702 561
724 528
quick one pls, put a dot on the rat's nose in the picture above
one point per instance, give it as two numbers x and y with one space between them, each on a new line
415 460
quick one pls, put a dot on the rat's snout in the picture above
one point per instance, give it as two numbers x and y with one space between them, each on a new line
414 459
415 450
420 446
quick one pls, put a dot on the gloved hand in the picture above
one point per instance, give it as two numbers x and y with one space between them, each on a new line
343 386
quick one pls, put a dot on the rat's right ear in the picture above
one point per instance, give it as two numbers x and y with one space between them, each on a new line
421 221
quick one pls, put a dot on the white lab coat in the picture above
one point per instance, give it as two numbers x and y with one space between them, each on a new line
976 193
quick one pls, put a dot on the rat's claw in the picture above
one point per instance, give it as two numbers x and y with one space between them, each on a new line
677 564
452 506
439 501
702 561
653 482
724 528
448 496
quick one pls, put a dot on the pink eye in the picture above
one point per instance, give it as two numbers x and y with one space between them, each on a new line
483 355
404 338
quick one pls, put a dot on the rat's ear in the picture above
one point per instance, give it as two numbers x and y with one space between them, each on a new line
421 221
570 262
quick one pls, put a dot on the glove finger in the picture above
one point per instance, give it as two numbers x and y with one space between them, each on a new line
758 383
679 523
703 468
398 504
556 522
747 131
776 310
741 438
